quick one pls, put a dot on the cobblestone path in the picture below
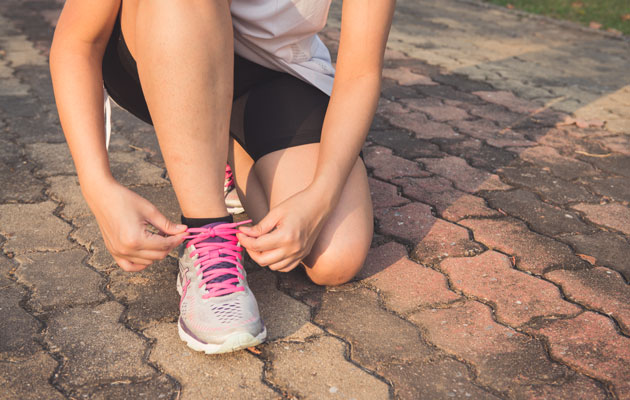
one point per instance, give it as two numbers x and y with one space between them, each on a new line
499 164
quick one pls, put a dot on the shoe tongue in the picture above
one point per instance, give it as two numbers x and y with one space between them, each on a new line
218 239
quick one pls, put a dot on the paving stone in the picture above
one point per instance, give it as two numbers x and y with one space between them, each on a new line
53 158
66 190
561 166
607 248
492 134
480 155
618 164
33 127
495 113
499 353
508 100
618 144
534 253
542 217
18 183
59 279
390 89
600 289
386 166
282 314
28 379
162 197
447 93
422 128
385 195
461 82
319 370
97 347
388 269
19 329
158 388
590 343
404 76
44 231
89 236
546 185
150 295
463 176
468 206
613 187
516 296
442 113
403 144
239 373
612 215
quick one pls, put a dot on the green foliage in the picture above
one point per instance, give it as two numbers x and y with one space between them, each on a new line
611 14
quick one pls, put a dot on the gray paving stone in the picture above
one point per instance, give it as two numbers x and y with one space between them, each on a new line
561 166
89 236
28 379
318 370
613 187
52 158
96 346
33 227
160 387
480 155
618 164
66 190
150 295
59 279
18 183
609 249
234 375
131 168
19 329
463 176
282 314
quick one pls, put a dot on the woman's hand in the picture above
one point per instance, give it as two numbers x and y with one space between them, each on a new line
123 218
287 233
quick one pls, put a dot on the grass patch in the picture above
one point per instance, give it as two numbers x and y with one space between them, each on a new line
610 14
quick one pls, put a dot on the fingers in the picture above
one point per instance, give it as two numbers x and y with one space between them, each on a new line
264 226
266 242
161 243
285 267
129 266
163 224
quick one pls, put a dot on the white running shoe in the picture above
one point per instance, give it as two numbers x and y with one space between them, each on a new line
218 311
232 201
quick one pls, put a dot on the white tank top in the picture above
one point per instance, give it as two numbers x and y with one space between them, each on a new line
282 35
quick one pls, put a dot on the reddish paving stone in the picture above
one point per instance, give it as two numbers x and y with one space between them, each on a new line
404 76
541 217
608 249
468 206
617 144
389 270
480 155
404 144
464 176
504 359
599 288
590 343
613 215
534 253
494 113
440 113
487 130
561 166
387 166
508 100
618 164
385 194
387 108
517 296
422 128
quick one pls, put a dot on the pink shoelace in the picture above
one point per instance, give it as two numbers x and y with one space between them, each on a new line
211 253
229 176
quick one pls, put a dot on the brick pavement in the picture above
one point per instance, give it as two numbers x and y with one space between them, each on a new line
498 165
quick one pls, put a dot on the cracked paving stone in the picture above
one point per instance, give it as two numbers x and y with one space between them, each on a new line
447 93
52 158
534 253
59 279
508 100
28 379
386 166
393 348
499 354
600 289
385 195
419 124
517 296
33 227
19 184
608 249
66 190
239 373
618 164
403 144
590 343
492 134
433 238
150 295
559 165
97 348
542 217
463 176
89 236
480 155
388 269
612 215
546 185
494 113
19 329
318 369
158 388
404 76
282 314
441 113
614 187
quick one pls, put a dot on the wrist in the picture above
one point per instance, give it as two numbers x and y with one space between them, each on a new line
93 187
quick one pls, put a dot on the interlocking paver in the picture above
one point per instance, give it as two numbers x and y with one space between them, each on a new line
517 296
508 100
233 375
599 289
18 183
387 166
561 166
89 236
405 76
613 187
28 379
590 343
499 354
158 388
50 276
534 253
385 195
388 269
612 215
480 155
608 249
66 190
463 176
493 135
20 330
441 113
618 164
404 144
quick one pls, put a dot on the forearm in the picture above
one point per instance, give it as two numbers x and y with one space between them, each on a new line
78 87
347 122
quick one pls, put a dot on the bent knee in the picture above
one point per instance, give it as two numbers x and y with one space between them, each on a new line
334 272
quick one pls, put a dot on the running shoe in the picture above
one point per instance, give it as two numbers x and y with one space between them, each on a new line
232 201
218 311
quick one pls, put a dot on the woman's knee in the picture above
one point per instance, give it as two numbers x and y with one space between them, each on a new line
333 268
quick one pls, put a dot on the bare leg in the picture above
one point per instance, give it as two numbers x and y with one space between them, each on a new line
184 52
343 243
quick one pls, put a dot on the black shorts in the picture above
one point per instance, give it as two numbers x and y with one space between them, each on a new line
271 110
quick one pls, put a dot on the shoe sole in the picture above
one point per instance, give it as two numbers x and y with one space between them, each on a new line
236 341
